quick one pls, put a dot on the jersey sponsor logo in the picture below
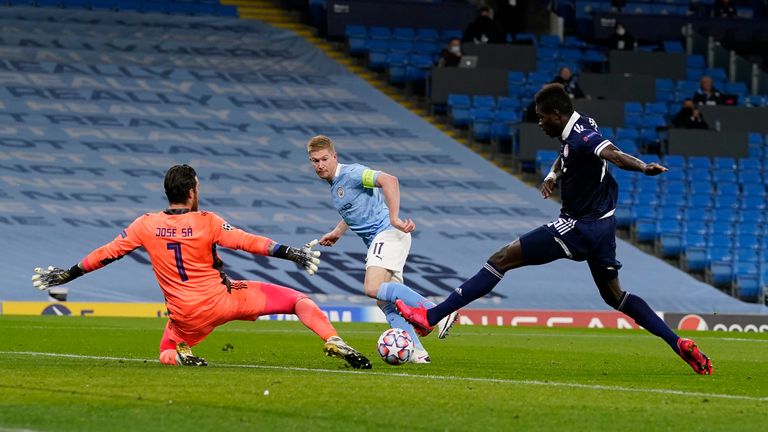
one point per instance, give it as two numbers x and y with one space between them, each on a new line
588 136
227 227
340 192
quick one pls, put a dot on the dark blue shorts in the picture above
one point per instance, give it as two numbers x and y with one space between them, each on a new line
593 241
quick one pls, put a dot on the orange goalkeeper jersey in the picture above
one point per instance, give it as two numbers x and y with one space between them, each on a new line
182 247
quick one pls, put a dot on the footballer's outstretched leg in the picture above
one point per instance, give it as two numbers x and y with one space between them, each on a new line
336 347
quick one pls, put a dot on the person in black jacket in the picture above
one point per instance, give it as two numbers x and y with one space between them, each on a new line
450 56
570 84
689 117
483 29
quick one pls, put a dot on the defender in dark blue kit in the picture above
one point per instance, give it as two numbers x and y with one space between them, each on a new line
585 230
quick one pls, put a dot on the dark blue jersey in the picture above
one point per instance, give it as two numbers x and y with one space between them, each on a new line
588 190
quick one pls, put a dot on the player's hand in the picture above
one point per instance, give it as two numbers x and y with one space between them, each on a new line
305 257
329 239
654 169
547 187
405 226
45 278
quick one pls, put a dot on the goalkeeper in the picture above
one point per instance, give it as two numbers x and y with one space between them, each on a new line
181 242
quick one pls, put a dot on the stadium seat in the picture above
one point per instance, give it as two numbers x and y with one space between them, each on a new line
403 34
427 35
379 33
356 31
486 102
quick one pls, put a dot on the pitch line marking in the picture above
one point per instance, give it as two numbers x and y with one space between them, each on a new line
257 330
432 377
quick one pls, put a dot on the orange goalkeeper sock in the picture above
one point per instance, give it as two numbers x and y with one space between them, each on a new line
314 318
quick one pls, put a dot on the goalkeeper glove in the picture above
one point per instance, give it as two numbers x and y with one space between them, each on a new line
53 276
305 256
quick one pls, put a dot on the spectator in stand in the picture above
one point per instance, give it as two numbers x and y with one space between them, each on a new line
723 9
621 39
689 117
483 29
450 56
570 83
707 94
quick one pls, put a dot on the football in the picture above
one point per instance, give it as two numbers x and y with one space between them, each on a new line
395 346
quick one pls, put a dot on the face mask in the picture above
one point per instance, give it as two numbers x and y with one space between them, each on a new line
620 31
455 49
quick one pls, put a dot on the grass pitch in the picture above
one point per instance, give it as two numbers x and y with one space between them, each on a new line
96 374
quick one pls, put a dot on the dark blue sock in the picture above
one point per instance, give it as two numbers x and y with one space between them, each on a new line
472 289
638 309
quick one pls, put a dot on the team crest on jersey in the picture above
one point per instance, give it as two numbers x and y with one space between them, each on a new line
340 192
227 227
565 150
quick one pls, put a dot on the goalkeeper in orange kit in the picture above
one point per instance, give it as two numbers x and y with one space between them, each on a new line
181 242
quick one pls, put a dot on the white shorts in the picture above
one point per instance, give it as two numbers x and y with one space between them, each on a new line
389 249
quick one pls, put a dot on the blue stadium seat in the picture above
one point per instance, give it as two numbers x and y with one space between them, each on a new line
547 40
427 35
379 33
750 176
672 46
481 119
377 45
481 101
404 34
656 108
357 46
695 60
724 175
723 162
699 162
356 31
754 100
417 68
717 74
426 48
226 10
694 258
748 287
727 188
400 47
627 133
396 65
720 271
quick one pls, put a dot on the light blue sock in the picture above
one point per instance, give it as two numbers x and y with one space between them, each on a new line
391 291
396 321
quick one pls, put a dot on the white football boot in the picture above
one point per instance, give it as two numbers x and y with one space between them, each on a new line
420 356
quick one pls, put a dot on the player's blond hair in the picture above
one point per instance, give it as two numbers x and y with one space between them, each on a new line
320 142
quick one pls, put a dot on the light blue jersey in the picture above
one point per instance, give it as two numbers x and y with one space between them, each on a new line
359 202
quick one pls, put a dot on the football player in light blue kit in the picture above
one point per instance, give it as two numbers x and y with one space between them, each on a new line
369 204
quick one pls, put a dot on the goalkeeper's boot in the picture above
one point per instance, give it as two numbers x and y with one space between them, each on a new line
699 361
416 316
420 356
184 356
336 347
445 324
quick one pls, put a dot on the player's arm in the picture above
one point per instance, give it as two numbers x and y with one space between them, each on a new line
548 185
390 188
122 245
612 154
235 238
330 238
